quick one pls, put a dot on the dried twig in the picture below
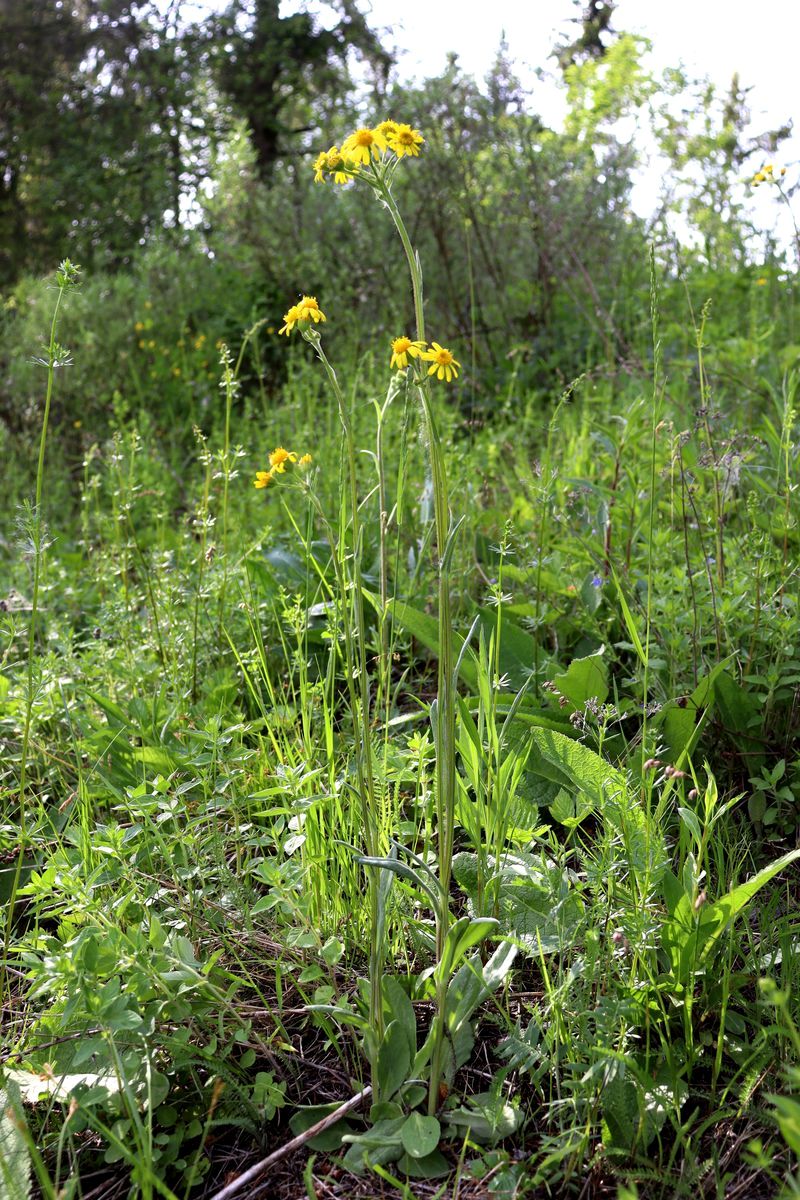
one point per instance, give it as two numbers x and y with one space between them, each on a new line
250 1176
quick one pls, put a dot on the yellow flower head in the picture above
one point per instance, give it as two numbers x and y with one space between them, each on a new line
387 128
405 140
310 310
336 165
263 479
761 282
362 145
290 319
279 458
139 326
306 460
444 366
332 163
403 349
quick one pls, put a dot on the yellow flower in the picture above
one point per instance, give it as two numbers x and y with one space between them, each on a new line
263 479
305 460
290 319
306 309
405 140
332 162
176 372
310 310
139 326
363 144
761 282
279 458
335 165
151 345
402 349
387 128
444 366
141 344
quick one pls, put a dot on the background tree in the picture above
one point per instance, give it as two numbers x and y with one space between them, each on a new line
287 74
97 123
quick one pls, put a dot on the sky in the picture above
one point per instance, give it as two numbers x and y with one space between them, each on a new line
757 38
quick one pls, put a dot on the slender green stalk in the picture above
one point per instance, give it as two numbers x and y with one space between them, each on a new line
654 315
56 356
363 735
445 722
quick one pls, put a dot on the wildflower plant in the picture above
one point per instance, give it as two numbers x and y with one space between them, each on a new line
370 156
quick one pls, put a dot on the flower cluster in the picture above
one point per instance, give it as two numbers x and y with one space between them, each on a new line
278 460
767 175
306 311
443 363
365 146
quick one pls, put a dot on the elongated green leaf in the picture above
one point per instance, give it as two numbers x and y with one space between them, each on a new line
394 1059
716 917
15 1163
400 1009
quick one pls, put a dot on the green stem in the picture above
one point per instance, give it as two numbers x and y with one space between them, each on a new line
37 575
363 735
446 699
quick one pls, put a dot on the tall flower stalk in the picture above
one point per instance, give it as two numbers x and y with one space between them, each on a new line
372 156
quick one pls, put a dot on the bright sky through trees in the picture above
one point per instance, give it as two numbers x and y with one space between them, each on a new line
710 37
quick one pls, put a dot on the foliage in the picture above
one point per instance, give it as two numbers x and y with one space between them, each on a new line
460 755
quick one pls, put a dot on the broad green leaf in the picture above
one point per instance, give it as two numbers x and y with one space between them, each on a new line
741 713
330 1139
621 1112
573 765
534 901
432 1166
570 808
420 1135
690 938
487 1116
378 1145
681 722
584 679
